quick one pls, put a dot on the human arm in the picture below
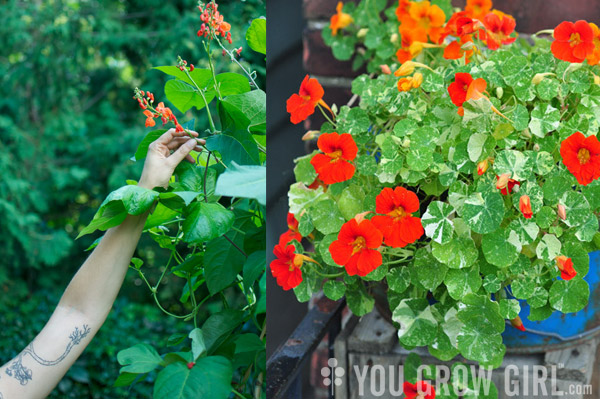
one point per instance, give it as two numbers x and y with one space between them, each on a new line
89 296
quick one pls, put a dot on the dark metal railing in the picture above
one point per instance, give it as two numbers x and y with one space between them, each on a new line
284 379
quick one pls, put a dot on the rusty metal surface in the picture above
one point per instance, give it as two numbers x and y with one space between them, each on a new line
284 365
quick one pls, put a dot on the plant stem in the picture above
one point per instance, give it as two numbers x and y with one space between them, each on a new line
210 119
235 245
238 394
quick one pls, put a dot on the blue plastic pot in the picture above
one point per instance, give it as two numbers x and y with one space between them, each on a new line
559 330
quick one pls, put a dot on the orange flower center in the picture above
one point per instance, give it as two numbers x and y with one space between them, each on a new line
575 39
398 213
359 244
296 263
335 156
583 155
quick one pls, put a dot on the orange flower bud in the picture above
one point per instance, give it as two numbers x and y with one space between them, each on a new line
502 182
518 323
405 69
482 167
525 206
565 265
562 212
385 69
417 80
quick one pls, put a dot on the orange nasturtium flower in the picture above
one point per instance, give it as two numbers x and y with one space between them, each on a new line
465 88
356 247
334 166
292 233
302 105
407 51
581 156
525 206
565 265
499 27
518 323
340 20
287 265
477 9
455 51
411 82
402 9
425 20
594 57
573 42
505 184
420 390
397 224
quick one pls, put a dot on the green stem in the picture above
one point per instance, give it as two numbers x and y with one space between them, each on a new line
210 119
212 69
238 394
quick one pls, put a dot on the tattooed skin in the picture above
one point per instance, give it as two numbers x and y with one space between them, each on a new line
24 375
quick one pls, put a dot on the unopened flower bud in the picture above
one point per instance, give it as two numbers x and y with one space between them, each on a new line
385 69
596 79
536 147
394 38
406 143
362 33
502 181
537 79
310 135
405 69
562 212
499 92
482 167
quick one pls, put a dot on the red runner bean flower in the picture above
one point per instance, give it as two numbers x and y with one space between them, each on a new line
573 42
213 24
581 156
340 20
398 226
300 106
420 390
525 206
356 247
565 265
334 166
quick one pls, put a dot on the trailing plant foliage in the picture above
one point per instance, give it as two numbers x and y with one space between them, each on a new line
463 182
210 220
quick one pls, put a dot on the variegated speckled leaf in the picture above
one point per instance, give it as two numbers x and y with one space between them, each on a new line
515 163
483 212
461 282
569 296
499 248
418 326
577 208
437 223
548 248
457 254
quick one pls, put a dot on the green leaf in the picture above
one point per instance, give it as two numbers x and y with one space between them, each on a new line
142 149
577 208
523 287
420 155
398 279
474 344
184 96
256 35
545 217
555 186
462 282
141 358
350 203
301 198
230 83
569 296
457 254
219 326
230 148
254 267
326 216
481 313
475 146
437 223
491 283
544 118
359 301
246 111
514 163
304 171
209 378
245 181
198 345
509 308
202 77
203 222
427 270
418 326
544 163
483 212
334 290
548 248
441 347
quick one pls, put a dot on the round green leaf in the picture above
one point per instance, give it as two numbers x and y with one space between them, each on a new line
398 279
204 222
483 212
548 248
569 296
544 118
515 163
457 254
326 216
418 326
334 290
509 308
499 249
427 270
462 282
577 208
437 223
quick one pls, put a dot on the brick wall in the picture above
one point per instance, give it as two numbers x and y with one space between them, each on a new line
336 76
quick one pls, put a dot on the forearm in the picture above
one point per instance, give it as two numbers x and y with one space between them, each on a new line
95 286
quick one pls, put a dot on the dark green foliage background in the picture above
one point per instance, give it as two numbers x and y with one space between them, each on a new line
68 126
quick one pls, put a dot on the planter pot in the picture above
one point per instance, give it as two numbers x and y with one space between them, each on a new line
556 332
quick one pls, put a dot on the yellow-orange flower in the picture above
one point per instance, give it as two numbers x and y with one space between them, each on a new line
477 9
594 57
340 20
411 82
424 20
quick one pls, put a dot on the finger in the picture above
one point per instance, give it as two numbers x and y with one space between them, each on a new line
176 142
182 152
190 158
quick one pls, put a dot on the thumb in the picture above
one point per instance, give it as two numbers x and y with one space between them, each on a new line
182 152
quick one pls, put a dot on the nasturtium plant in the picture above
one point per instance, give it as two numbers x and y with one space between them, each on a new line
211 219
462 183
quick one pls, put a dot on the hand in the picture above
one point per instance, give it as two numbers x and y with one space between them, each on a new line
161 163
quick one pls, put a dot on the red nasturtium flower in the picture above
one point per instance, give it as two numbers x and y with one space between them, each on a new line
518 323
356 247
477 9
286 268
420 390
498 28
334 166
505 184
465 88
340 20
302 105
525 206
573 42
581 156
398 226
565 265
292 233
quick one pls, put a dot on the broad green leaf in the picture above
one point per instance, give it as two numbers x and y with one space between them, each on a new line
514 163
526 231
441 347
326 216
459 253
418 326
548 248
491 283
481 313
300 197
209 378
483 212
499 249
462 282
184 96
475 146
420 155
545 217
244 181
219 327
398 279
254 267
555 186
200 77
304 171
437 223
198 345
350 203
577 208
544 163
509 308
256 35
141 358
178 199
544 118
538 298
427 270
232 83
474 344
457 194
359 301
523 287
230 148
588 229
142 149
205 221
334 290
569 296
246 111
